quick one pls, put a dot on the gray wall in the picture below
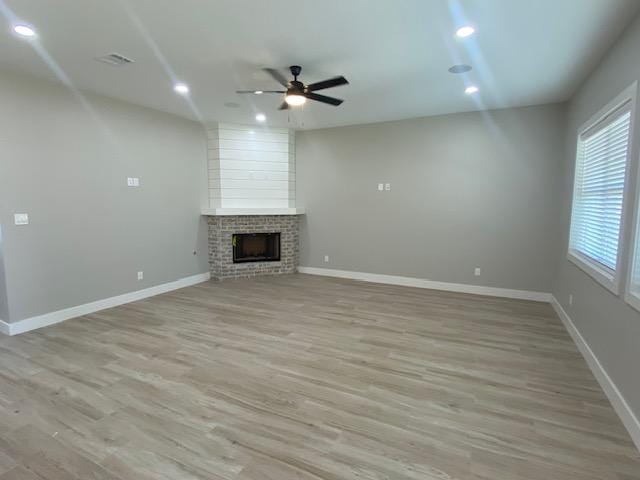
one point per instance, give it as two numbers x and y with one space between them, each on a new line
65 162
608 324
470 189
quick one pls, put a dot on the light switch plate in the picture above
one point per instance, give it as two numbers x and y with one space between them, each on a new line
140 275
21 219
387 186
381 186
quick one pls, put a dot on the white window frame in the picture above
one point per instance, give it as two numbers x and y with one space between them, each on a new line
611 281
631 298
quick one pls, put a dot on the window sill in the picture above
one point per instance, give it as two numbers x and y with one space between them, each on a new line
591 268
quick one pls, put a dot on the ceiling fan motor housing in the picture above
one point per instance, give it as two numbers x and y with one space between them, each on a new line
295 88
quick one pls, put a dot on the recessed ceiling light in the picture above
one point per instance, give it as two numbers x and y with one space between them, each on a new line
258 92
465 31
295 100
462 68
24 31
181 88
471 90
261 117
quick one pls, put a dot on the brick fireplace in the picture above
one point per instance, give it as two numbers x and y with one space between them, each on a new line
222 228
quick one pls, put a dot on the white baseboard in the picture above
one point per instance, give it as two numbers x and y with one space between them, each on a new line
40 321
430 284
618 402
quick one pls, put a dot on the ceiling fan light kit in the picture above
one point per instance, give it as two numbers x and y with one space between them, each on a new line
294 99
297 93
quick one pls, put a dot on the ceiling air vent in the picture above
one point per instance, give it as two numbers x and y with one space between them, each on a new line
115 59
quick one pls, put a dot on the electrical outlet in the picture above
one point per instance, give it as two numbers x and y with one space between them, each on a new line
326 258
387 186
477 271
21 219
133 182
140 275
380 187
571 299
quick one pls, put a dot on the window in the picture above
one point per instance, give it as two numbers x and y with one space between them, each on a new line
633 284
598 193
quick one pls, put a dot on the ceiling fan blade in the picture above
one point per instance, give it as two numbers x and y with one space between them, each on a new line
277 76
263 91
332 82
284 106
323 98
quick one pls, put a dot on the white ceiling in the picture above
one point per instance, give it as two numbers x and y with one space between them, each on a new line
395 53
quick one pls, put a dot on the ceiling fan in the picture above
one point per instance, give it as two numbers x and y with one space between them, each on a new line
297 93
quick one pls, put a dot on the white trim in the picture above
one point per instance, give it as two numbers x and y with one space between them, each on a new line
620 405
51 318
628 94
430 284
632 298
609 281
215 212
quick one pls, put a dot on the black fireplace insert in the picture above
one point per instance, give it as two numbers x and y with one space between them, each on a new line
256 247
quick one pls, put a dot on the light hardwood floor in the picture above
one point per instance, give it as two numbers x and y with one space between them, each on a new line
301 377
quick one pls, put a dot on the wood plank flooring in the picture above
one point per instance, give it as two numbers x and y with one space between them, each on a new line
307 378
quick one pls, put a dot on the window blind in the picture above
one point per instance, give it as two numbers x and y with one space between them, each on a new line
601 166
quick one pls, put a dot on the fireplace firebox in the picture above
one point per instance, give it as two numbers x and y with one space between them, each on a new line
256 247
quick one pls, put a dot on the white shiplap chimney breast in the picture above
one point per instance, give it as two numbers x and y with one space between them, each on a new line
251 167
